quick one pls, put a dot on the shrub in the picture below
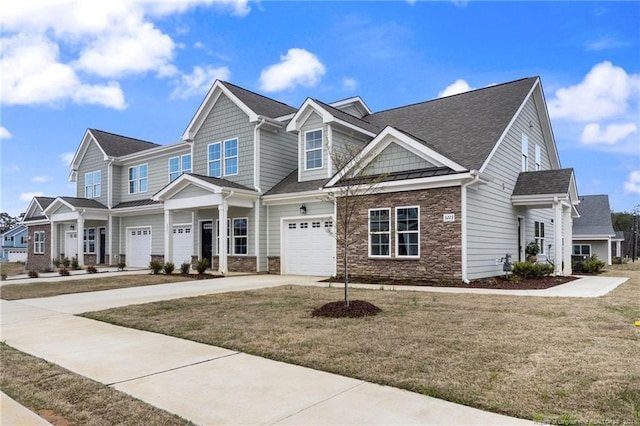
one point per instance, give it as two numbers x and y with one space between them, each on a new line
184 268
155 267
593 265
528 270
74 263
169 267
202 266
121 266
64 272
33 274
56 262
3 277
66 262
92 269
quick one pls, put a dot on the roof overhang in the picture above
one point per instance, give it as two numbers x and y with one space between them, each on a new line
294 197
86 212
355 102
594 237
149 153
309 107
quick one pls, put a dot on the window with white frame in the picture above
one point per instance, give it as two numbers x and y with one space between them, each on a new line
138 179
89 243
240 235
218 236
215 159
178 166
379 232
525 152
313 149
407 231
231 157
38 242
539 235
223 158
537 158
92 184
582 250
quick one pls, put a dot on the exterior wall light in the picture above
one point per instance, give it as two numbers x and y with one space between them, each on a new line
303 209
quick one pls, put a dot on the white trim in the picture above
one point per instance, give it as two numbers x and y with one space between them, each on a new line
309 104
151 153
233 236
225 158
378 256
305 159
351 101
137 179
397 245
128 244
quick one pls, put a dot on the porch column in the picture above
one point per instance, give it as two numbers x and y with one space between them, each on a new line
618 249
109 247
80 240
223 210
557 236
609 254
567 223
168 236
54 241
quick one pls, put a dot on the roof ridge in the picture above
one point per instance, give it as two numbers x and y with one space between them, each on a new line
257 94
122 136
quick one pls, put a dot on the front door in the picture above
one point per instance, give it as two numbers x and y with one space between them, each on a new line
71 244
206 238
102 246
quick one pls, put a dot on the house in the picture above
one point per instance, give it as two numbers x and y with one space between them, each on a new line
593 231
462 181
14 245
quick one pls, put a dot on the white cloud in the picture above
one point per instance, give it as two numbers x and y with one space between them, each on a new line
4 133
606 91
28 196
199 81
604 43
592 134
297 68
459 86
14 168
632 184
349 83
66 158
41 179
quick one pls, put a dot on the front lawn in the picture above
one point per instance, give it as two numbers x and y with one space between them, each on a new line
552 359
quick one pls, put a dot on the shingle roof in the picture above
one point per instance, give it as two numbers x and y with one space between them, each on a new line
404 175
220 182
341 115
619 236
44 201
116 146
84 203
290 184
137 203
595 216
543 182
463 127
259 104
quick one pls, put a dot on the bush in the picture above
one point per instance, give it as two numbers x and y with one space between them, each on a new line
528 270
593 265
92 269
168 268
202 266
3 277
33 274
74 263
121 266
184 268
56 262
66 262
64 272
155 267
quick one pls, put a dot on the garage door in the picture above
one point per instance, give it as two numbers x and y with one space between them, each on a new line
139 244
182 244
309 248
17 255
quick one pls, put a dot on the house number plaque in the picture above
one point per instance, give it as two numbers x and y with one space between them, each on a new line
449 217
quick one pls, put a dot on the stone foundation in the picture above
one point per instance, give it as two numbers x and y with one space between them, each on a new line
274 265
157 258
89 259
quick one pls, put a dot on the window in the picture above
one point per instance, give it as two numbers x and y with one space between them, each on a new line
215 160
89 240
23 240
228 236
582 250
231 157
313 149
537 158
138 179
178 166
525 152
240 235
38 242
539 234
92 184
379 232
407 231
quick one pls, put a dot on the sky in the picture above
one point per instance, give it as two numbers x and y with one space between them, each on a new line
142 68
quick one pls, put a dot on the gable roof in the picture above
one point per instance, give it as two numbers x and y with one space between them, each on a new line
259 104
595 217
543 182
463 127
116 145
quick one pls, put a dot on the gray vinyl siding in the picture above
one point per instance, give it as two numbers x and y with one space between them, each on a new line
351 109
492 221
346 142
278 153
314 122
116 185
226 121
156 222
63 209
277 213
395 158
191 191
93 161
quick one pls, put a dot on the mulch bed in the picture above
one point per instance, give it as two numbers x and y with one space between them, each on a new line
356 309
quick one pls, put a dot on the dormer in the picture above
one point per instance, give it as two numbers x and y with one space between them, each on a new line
354 106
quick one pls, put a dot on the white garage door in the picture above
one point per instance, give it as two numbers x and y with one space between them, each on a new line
309 247
139 244
182 244
17 255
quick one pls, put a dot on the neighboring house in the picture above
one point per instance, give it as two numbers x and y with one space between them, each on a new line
14 245
593 230
616 244
464 181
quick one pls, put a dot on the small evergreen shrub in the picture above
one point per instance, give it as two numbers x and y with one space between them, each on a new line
528 270
185 267
56 262
155 267
593 265
66 262
92 269
74 263
121 266
33 274
169 267
64 272
202 266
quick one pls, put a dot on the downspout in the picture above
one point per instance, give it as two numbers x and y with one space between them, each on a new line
463 219
222 268
109 248
256 186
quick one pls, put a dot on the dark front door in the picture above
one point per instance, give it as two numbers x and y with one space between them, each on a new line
520 239
206 238
103 246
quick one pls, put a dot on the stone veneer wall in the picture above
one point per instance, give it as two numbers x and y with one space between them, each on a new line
39 262
274 264
440 242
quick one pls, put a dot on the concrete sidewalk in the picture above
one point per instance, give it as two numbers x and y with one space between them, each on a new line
207 384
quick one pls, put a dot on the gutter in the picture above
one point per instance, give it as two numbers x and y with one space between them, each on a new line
475 178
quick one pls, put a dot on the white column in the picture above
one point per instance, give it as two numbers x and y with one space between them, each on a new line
80 240
609 255
557 235
54 241
256 230
110 241
222 218
567 223
168 236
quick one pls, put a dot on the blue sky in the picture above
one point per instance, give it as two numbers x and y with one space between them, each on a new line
141 69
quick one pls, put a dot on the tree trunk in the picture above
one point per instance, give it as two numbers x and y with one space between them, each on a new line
346 275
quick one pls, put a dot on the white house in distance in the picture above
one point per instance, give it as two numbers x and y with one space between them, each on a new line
464 180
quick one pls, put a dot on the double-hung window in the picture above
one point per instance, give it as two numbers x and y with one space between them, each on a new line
89 240
539 235
240 235
178 166
313 149
525 152
138 179
92 184
231 157
223 158
38 242
379 232
582 250
407 231
215 160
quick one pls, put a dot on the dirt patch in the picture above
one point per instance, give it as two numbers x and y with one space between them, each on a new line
53 417
356 309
